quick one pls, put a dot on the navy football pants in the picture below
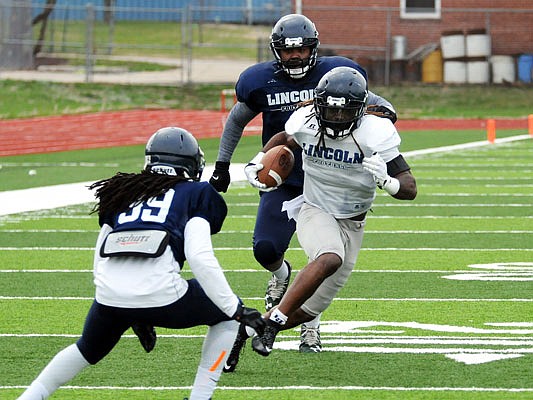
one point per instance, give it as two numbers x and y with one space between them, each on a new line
273 230
105 325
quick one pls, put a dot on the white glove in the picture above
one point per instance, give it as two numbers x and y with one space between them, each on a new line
251 173
378 168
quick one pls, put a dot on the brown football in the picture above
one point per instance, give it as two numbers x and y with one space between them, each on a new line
277 165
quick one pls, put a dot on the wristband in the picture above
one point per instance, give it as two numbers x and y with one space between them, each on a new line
278 317
222 165
391 186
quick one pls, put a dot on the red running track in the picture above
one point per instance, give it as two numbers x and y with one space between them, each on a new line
107 129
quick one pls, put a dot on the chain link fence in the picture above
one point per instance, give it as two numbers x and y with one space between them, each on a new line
91 33
120 30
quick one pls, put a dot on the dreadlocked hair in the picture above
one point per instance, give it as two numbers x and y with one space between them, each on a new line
321 131
118 193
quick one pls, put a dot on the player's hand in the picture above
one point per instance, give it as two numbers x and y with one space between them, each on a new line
378 168
221 179
146 334
250 317
251 173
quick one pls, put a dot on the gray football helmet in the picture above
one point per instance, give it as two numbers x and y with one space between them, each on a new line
295 30
340 101
174 151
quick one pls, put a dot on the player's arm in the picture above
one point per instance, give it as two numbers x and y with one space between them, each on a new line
408 188
206 269
281 138
239 116
381 107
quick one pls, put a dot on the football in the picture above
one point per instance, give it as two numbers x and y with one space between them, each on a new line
277 165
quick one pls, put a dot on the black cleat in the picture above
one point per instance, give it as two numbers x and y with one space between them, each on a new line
146 335
263 344
236 350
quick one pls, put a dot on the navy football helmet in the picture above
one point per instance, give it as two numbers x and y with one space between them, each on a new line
340 101
174 151
295 30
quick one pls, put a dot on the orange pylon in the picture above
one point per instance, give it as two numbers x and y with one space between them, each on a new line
491 130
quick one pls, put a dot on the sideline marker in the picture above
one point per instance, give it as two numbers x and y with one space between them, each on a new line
491 130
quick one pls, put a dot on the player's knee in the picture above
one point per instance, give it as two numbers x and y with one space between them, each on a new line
91 355
266 253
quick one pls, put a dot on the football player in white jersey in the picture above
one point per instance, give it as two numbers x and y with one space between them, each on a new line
151 222
274 89
346 155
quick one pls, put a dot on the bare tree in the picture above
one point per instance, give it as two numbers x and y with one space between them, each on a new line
43 18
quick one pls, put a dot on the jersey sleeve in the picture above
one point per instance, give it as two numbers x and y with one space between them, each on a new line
210 206
377 100
249 84
243 88
205 267
384 139
295 125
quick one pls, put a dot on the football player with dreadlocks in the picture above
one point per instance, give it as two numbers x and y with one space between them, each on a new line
274 89
346 154
151 222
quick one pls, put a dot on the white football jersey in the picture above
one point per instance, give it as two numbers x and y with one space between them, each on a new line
334 179
134 282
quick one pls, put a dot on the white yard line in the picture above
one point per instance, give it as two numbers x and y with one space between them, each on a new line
306 388
52 248
47 197
348 299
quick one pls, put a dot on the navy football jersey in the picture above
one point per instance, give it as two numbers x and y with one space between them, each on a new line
171 212
266 89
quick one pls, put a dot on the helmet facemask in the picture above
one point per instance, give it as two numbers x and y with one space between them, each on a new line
295 67
340 101
337 118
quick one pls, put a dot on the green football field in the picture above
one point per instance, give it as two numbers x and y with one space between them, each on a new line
439 306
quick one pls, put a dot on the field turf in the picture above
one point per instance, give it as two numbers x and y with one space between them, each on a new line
439 306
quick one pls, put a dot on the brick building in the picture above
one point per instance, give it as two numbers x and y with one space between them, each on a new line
368 31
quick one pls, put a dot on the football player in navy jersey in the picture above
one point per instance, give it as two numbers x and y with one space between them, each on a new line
274 89
151 222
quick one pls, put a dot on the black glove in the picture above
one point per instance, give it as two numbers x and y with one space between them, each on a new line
250 317
220 179
383 112
146 335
